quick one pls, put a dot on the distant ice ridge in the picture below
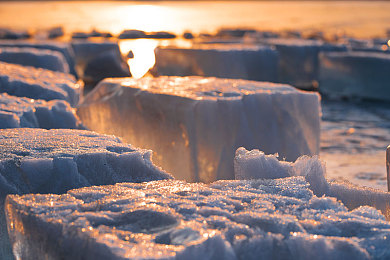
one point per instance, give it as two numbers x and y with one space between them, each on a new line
355 75
37 83
54 161
38 58
195 124
247 219
237 61
255 164
16 112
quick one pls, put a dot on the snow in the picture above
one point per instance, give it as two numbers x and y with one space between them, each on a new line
256 219
98 60
195 124
38 83
16 112
54 161
236 61
355 75
62 47
38 58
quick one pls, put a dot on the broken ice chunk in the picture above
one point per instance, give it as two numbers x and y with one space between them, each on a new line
18 112
195 124
170 219
38 58
218 60
54 161
36 83
355 75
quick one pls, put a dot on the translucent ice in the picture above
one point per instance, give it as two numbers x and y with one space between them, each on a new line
195 124
36 83
54 161
38 58
355 75
258 219
218 60
18 112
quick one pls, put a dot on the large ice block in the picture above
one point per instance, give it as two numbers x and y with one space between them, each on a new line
298 60
38 83
355 75
98 60
195 124
38 58
54 161
62 47
16 112
235 61
258 219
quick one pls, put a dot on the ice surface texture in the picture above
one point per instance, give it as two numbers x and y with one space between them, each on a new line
54 161
218 60
18 112
258 219
355 75
36 83
38 58
195 124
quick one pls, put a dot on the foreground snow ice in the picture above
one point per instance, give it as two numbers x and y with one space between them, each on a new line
257 219
18 112
355 75
36 83
218 60
195 124
54 161
38 58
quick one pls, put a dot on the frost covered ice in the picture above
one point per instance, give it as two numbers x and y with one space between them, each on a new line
16 112
38 58
38 83
195 124
355 75
236 61
257 219
54 161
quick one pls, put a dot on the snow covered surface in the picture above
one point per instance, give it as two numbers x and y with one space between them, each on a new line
355 75
237 61
38 58
257 219
38 83
194 124
59 46
54 161
16 112
98 60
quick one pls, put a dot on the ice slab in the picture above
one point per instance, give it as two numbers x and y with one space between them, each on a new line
236 61
258 219
62 47
355 75
38 83
54 161
16 112
195 124
298 60
38 58
98 60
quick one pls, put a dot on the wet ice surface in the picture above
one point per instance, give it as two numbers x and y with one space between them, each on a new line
35 113
270 219
354 137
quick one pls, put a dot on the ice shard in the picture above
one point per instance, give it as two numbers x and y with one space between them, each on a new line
194 124
54 161
236 61
257 219
355 75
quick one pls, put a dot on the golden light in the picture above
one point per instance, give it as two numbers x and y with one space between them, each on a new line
144 59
